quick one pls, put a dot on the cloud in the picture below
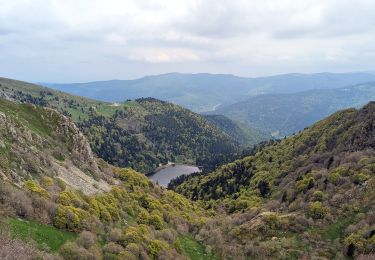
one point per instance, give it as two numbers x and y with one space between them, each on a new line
71 40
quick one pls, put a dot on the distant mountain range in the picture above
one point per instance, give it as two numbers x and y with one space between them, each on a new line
284 114
205 92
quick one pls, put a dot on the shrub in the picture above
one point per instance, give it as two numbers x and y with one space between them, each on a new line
317 210
69 250
115 235
113 248
335 175
70 217
34 187
132 236
127 255
318 195
143 217
305 184
133 248
47 181
360 178
86 239
156 221
355 243
155 246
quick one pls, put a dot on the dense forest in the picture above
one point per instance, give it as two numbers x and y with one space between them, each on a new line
244 134
148 132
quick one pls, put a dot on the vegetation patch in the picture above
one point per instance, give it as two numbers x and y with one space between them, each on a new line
194 250
43 235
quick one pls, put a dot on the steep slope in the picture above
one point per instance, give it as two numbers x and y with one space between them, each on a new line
138 134
284 114
203 92
54 192
309 195
242 133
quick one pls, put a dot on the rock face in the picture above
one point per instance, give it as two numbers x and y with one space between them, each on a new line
79 145
43 142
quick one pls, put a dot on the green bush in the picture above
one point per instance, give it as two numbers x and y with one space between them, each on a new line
34 187
305 184
360 178
317 210
155 246
318 195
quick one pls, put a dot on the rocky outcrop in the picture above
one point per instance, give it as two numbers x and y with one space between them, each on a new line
60 151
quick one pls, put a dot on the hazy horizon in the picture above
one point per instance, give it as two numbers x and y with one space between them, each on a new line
81 41
195 73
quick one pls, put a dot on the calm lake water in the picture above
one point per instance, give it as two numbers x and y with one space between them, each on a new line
164 176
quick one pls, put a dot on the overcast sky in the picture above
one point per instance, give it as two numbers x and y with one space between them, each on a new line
85 40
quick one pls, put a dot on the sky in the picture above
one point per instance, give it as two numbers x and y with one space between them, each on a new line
87 40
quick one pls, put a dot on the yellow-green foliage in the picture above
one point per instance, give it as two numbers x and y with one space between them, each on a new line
34 187
361 177
143 217
47 181
318 195
306 183
131 177
336 174
132 235
156 220
317 210
70 217
68 198
155 246
357 240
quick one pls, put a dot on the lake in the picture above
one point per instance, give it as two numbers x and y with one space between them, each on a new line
164 176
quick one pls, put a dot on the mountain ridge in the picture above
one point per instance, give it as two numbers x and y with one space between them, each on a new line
286 114
203 91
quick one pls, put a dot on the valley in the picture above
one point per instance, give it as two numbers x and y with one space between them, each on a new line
67 170
187 130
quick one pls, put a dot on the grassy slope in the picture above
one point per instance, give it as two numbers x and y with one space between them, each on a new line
194 250
43 235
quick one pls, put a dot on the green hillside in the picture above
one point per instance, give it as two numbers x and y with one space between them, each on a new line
140 134
309 195
58 200
242 133
285 114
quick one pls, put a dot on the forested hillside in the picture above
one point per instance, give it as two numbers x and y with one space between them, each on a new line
242 133
57 201
138 134
148 132
310 195
285 114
